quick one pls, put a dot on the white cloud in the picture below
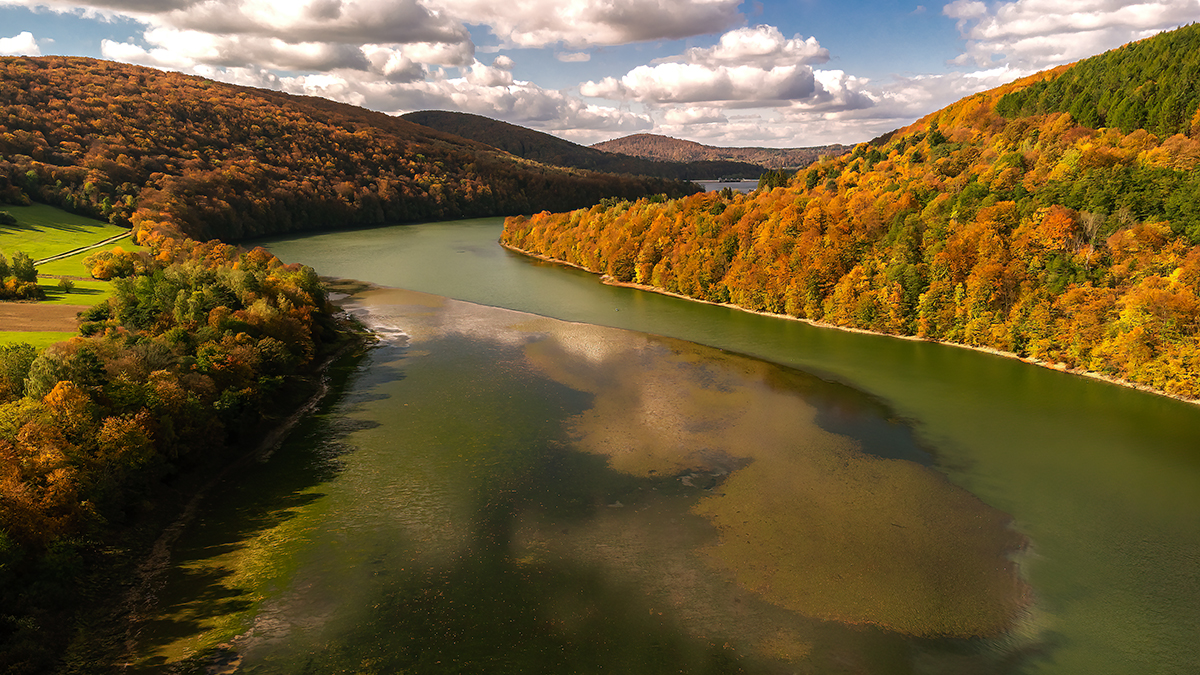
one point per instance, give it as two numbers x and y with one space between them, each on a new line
246 77
488 76
762 46
283 34
441 53
695 83
21 44
573 57
835 92
905 98
747 68
578 23
339 21
1042 33
127 52
393 64
691 115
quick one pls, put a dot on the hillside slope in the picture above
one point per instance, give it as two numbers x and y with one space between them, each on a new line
548 149
667 149
216 160
1031 234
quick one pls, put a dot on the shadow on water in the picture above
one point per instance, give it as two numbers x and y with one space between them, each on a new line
202 587
488 614
844 410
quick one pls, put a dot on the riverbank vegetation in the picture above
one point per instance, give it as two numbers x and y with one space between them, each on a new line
1004 221
126 143
197 346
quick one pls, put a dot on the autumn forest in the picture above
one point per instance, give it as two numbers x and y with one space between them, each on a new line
1056 218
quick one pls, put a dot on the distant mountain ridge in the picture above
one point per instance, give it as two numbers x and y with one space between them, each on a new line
549 149
144 147
667 149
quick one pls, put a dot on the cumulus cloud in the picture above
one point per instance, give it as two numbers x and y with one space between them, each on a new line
578 23
747 68
489 76
693 115
335 21
1042 33
744 86
21 44
837 92
762 46
393 64
756 70
173 48
573 57
303 35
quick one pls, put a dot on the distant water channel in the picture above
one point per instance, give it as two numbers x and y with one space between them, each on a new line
738 185
536 473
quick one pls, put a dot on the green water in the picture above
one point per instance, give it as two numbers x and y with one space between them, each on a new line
496 492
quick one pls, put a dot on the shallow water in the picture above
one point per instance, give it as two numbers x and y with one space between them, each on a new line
506 493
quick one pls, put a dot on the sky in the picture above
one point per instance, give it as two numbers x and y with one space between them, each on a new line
772 73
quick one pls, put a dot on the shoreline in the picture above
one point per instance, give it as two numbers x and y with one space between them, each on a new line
148 572
607 280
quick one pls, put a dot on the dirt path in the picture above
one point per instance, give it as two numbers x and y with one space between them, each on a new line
33 316
81 249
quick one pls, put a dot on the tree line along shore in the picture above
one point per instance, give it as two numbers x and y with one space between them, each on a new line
1001 222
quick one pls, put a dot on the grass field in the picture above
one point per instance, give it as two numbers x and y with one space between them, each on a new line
73 266
43 231
85 292
39 339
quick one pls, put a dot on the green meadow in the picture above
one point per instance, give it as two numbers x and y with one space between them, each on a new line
44 231
90 292
39 339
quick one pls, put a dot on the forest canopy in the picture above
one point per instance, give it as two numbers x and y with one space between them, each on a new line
197 348
130 144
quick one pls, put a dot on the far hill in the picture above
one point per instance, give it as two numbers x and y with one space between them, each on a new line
667 149
548 149
136 145
1055 218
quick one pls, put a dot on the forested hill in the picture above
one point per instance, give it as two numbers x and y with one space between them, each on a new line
1000 222
667 149
548 149
137 145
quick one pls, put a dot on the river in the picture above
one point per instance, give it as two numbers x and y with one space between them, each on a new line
535 472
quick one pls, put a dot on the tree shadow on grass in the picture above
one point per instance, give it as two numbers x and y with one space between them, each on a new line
30 228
